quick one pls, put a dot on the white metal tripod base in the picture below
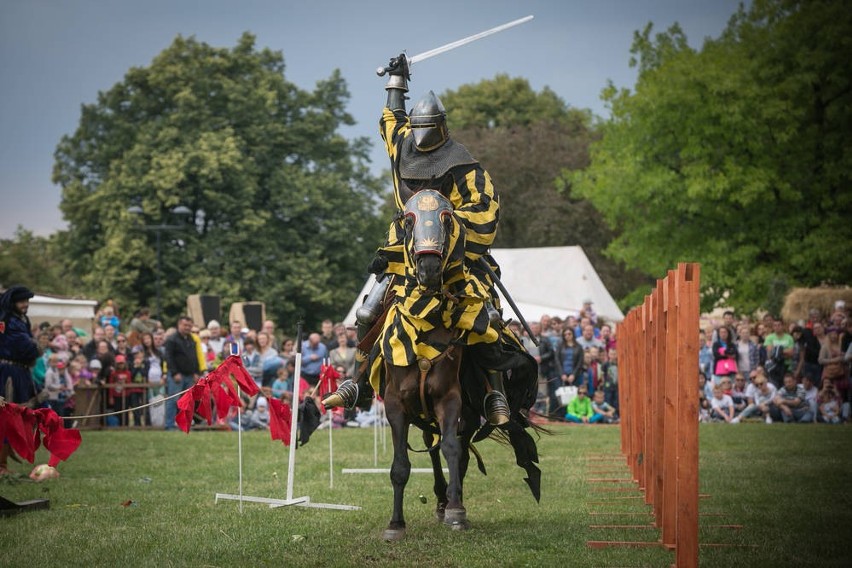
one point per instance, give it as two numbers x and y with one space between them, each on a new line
275 503
267 500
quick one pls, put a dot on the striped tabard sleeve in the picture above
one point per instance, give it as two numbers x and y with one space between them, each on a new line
477 206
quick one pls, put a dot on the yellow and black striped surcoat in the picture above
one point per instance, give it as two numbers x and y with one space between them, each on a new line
414 313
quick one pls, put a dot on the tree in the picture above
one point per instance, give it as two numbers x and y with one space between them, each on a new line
35 262
525 139
735 155
276 193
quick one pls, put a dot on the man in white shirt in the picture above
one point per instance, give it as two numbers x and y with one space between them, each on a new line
760 401
217 342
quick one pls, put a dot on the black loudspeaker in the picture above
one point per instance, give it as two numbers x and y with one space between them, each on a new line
250 314
202 309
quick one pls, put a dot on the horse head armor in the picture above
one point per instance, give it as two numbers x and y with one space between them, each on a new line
428 222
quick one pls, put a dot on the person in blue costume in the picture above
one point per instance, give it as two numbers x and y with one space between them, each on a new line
18 352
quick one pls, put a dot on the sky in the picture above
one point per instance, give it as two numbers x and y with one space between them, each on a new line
56 55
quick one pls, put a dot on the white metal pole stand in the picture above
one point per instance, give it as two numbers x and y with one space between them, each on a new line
291 466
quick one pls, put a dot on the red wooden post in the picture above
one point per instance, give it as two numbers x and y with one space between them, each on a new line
686 555
642 398
658 397
669 498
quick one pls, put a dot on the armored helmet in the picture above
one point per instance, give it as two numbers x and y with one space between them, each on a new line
429 123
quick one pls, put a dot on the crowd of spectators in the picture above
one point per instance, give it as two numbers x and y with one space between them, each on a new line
777 371
578 366
129 365
765 369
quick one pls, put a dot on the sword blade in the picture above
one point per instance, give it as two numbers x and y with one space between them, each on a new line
466 40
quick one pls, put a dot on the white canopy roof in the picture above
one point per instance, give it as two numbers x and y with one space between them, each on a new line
546 280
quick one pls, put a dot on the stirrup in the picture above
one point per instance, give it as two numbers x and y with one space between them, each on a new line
496 408
346 396
494 316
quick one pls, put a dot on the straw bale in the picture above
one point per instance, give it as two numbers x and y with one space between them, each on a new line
800 300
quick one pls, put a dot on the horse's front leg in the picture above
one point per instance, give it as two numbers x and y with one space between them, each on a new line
401 467
440 485
448 411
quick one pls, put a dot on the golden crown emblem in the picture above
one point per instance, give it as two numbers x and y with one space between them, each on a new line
427 203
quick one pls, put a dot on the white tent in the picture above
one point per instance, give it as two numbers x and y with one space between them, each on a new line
54 309
547 280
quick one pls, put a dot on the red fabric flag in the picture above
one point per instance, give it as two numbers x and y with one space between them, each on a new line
186 405
23 427
202 395
61 442
280 420
233 366
14 430
224 397
200 392
328 380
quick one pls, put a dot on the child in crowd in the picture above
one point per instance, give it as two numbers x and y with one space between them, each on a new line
721 406
829 404
580 408
118 378
57 383
94 369
75 369
738 393
705 393
282 385
259 418
138 375
811 395
603 409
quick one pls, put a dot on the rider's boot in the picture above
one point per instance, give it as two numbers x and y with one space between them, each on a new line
496 406
351 393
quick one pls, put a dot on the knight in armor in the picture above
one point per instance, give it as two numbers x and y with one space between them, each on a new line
423 156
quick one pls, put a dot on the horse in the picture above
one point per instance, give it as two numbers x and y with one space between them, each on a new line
441 391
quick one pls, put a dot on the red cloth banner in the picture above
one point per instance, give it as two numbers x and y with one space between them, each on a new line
280 420
23 428
218 385
327 380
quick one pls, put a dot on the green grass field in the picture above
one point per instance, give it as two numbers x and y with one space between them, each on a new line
788 485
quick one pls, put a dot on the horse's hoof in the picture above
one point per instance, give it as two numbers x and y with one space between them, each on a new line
456 519
439 512
392 535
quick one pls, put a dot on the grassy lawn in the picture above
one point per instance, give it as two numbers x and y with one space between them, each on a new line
788 485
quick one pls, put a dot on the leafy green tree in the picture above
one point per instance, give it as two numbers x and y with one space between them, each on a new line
35 262
276 192
508 102
525 139
735 155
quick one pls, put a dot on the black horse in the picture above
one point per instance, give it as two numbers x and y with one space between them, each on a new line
441 385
